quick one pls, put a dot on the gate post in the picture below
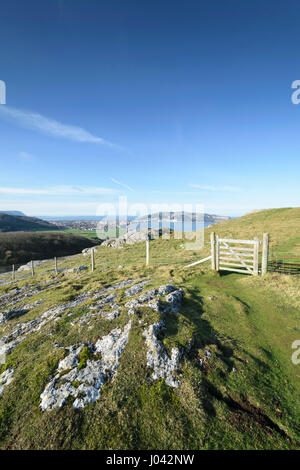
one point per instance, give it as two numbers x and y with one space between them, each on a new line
255 259
265 254
217 253
213 250
147 251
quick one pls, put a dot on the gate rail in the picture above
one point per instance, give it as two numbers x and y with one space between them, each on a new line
232 257
229 254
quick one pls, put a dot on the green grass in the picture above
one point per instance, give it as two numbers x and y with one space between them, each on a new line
110 233
245 395
283 225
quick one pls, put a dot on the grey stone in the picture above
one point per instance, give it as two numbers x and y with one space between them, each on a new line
157 358
136 288
87 251
166 289
6 378
77 269
90 378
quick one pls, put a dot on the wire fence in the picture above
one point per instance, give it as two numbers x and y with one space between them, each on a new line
90 260
129 256
284 263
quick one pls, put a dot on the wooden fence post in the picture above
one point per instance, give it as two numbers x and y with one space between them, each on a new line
32 268
265 254
13 272
217 253
147 252
93 258
255 258
55 264
213 250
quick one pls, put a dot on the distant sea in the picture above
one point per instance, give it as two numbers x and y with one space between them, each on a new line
76 217
188 226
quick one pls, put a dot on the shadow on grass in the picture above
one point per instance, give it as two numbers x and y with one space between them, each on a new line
205 336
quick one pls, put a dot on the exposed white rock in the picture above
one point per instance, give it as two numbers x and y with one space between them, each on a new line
20 332
106 300
166 289
173 302
77 269
36 263
22 310
6 378
106 314
117 285
9 314
71 360
87 251
157 357
151 298
136 236
18 294
136 288
91 378
132 303
146 296
155 305
112 314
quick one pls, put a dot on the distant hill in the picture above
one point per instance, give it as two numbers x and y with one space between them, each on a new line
282 224
177 217
21 223
12 212
20 247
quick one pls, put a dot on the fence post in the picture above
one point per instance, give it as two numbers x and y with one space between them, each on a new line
265 254
213 250
55 264
32 268
13 272
217 253
93 258
147 252
255 258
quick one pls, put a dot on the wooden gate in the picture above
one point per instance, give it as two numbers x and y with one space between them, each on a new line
240 256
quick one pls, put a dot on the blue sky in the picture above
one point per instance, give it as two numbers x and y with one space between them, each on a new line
162 102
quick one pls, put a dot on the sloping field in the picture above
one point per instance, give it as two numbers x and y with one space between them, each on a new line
158 357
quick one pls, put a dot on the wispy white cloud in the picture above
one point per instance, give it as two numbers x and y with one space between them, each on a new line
215 188
35 121
121 184
26 156
57 190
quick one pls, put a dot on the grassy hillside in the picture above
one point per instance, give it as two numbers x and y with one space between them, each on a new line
238 387
16 223
282 224
20 247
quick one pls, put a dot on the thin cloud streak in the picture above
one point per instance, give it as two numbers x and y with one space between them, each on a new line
215 188
57 190
121 184
35 121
